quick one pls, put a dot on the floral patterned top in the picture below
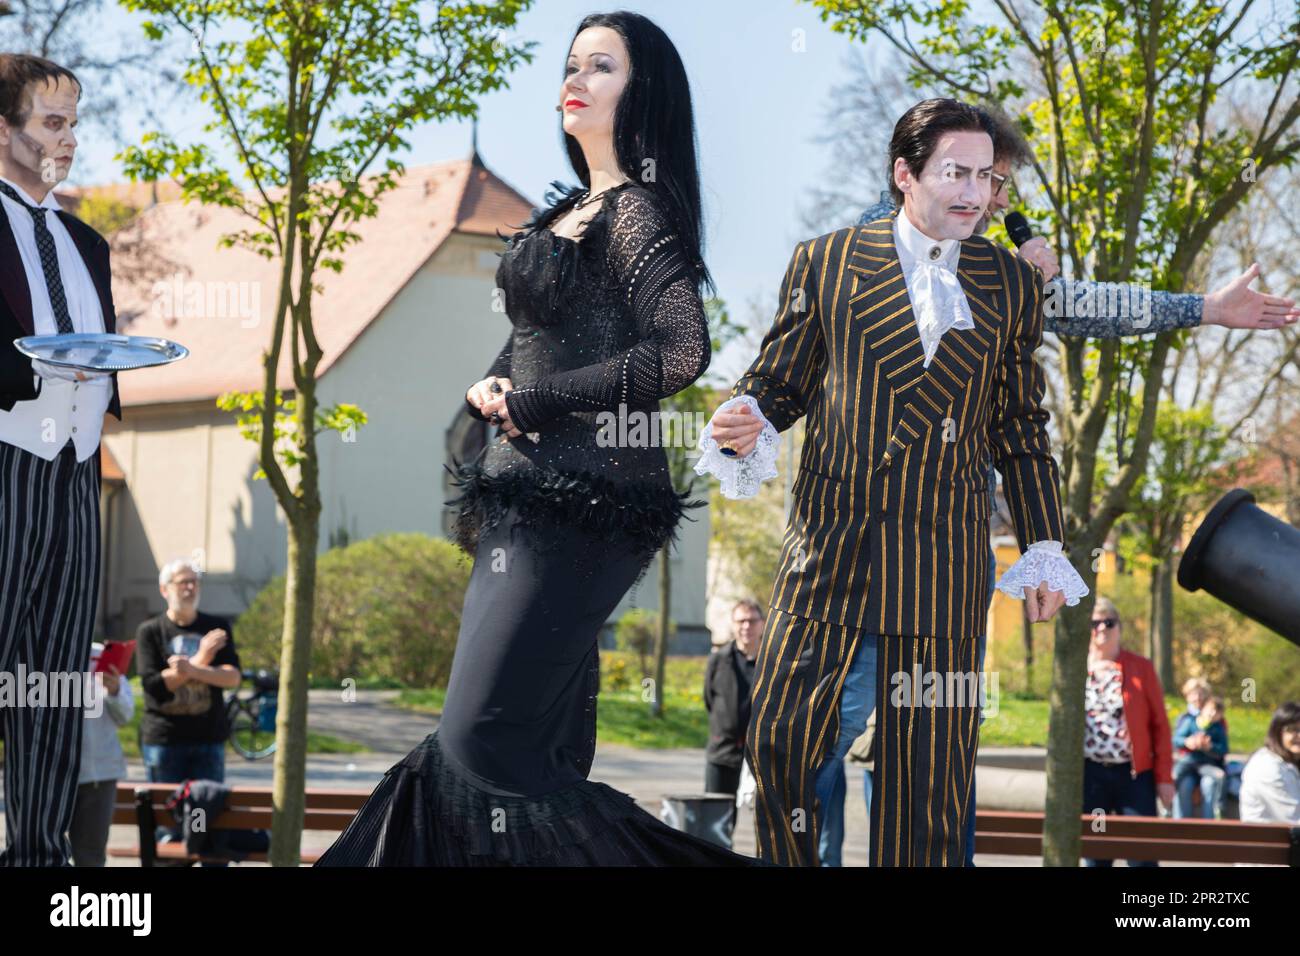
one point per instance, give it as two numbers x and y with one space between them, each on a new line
1105 734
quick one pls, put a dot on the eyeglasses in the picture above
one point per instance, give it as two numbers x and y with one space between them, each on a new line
999 183
1105 622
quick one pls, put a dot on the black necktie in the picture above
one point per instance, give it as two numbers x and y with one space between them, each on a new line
49 260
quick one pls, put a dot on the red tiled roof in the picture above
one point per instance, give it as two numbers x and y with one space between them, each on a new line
165 270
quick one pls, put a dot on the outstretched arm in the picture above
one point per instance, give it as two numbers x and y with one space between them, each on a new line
651 267
1114 310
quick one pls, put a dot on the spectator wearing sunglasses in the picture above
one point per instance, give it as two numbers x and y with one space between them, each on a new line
1127 746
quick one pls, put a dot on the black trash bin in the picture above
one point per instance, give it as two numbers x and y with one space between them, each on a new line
1249 560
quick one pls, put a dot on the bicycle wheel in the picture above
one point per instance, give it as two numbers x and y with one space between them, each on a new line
246 734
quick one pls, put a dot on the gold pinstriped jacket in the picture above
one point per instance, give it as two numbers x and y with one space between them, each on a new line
888 531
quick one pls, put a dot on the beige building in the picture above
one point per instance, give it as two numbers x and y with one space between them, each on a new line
410 322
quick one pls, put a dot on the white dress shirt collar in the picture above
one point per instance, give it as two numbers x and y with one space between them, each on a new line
49 202
915 246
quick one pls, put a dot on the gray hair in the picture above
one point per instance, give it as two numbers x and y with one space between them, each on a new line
172 567
751 604
1107 607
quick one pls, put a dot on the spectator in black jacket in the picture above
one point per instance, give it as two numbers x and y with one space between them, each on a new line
727 681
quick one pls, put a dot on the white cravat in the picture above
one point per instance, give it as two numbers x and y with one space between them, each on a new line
930 272
63 410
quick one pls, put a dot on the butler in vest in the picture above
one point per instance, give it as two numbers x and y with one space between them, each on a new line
908 343
54 278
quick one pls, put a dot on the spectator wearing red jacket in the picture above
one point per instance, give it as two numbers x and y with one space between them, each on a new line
1127 747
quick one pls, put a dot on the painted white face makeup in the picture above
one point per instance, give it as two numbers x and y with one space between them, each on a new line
43 149
949 198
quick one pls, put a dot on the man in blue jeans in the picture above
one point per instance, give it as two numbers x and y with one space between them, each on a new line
857 701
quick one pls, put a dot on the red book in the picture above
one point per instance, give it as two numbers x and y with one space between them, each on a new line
117 653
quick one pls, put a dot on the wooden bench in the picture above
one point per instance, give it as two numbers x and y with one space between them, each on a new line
1146 838
248 808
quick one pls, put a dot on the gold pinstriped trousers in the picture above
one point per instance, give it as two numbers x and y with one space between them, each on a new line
927 728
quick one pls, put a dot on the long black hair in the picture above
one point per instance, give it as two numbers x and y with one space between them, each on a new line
653 122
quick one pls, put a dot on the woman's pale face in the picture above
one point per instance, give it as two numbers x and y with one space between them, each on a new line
594 78
1291 738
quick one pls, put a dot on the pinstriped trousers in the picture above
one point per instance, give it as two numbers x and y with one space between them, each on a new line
49 585
925 745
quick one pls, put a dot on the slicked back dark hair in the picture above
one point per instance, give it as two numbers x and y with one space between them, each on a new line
652 121
918 130
18 71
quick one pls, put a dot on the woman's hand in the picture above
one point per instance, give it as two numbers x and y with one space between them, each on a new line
497 406
480 393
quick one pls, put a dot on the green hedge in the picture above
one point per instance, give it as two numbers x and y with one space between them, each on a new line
387 613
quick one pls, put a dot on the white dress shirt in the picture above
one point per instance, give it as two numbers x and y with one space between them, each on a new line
930 271
63 410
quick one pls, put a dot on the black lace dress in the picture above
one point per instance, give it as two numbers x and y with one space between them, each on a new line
561 522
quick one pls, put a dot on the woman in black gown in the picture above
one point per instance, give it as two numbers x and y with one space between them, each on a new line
602 290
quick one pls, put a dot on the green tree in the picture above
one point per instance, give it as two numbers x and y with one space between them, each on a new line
1136 170
309 96
1186 449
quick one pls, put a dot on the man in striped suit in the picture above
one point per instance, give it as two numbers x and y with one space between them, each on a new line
909 345
54 278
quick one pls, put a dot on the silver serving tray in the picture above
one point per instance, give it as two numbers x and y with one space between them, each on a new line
101 351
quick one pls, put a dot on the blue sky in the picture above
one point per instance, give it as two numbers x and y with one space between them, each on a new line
759 106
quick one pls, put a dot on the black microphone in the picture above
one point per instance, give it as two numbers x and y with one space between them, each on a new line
1017 227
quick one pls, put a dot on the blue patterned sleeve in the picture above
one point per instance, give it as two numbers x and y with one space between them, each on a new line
1113 310
881 210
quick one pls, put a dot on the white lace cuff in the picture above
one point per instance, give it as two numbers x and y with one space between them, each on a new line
1045 561
740 477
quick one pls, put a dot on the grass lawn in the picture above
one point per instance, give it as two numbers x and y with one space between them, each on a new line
1023 723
